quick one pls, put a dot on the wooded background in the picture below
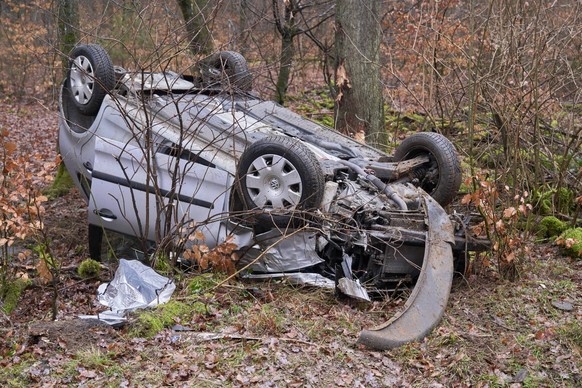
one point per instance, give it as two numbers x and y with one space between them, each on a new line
500 78
503 75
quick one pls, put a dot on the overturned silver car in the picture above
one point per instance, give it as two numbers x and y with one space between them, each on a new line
165 157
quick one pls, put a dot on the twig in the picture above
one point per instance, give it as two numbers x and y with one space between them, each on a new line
208 336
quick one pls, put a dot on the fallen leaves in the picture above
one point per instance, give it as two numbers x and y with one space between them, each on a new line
308 339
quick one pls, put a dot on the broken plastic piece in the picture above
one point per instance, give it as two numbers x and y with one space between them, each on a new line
353 288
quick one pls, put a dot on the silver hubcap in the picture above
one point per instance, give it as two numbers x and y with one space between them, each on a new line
273 183
82 79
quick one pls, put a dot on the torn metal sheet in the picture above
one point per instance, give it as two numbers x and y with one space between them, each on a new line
134 286
290 252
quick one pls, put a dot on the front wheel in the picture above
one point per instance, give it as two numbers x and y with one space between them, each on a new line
278 175
441 176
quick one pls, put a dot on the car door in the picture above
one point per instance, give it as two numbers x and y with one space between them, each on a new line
174 194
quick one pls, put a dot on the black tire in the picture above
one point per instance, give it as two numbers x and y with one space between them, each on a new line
441 178
95 240
296 182
89 78
227 68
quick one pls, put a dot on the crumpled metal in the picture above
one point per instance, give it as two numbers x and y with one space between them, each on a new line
282 253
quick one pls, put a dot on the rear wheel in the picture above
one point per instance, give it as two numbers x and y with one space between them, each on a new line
90 77
441 177
227 68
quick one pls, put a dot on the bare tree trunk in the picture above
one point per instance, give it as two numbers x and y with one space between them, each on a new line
244 26
359 107
68 37
287 54
68 14
287 29
195 14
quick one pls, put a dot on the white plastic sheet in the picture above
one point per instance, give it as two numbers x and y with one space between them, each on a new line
134 286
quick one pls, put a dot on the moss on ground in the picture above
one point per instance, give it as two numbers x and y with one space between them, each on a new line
550 227
62 183
571 242
202 283
10 293
89 268
150 322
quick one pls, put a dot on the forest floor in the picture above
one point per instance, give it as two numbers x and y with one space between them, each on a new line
526 332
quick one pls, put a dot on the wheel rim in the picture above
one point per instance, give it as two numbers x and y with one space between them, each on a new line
273 182
82 79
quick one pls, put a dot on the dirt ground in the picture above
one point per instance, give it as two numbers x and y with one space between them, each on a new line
494 333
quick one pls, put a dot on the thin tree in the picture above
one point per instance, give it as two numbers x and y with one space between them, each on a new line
68 22
291 20
68 37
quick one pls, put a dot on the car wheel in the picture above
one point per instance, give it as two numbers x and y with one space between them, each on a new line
90 77
278 175
441 178
228 68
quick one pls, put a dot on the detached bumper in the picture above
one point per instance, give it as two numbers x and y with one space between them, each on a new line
426 305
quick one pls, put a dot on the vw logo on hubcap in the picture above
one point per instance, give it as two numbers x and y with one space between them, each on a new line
275 184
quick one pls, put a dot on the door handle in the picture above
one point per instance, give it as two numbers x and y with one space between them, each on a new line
88 166
106 214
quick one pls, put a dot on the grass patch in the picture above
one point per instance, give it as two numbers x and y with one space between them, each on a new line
93 359
203 283
15 375
571 333
268 319
151 321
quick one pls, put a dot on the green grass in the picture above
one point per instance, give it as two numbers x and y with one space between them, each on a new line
15 375
571 334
